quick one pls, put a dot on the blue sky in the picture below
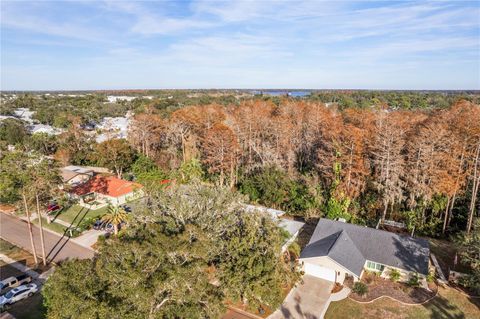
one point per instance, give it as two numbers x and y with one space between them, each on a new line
240 44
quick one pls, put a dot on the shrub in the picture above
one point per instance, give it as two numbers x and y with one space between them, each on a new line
86 223
394 275
431 276
413 280
294 249
472 282
360 288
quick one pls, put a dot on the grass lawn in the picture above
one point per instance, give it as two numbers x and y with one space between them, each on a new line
448 304
74 214
52 226
8 249
16 253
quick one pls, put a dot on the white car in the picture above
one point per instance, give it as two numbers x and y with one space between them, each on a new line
16 294
12 282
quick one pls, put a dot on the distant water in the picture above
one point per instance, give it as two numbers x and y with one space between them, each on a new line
283 93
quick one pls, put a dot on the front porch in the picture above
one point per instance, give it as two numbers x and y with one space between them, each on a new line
93 201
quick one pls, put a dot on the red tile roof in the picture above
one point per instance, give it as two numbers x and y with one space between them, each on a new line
106 185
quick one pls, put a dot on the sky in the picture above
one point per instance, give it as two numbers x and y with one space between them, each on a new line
88 45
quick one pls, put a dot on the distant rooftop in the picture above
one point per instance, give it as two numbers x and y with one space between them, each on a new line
275 213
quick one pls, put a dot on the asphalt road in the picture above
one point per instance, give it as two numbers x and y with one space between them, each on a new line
57 247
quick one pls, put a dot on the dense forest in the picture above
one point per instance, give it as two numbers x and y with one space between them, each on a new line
417 166
364 155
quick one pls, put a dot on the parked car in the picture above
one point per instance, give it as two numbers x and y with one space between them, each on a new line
12 282
109 228
98 224
101 225
17 294
53 207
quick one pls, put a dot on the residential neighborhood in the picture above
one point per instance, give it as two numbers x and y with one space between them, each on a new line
212 159
72 200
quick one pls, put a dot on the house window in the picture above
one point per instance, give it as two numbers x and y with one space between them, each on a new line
375 266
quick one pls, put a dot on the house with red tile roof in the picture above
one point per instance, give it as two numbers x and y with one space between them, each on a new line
102 190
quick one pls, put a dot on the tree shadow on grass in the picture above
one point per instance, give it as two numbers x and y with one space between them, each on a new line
442 308
82 213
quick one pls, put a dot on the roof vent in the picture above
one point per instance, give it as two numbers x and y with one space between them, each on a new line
343 220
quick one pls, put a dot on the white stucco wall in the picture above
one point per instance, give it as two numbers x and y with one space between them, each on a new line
327 262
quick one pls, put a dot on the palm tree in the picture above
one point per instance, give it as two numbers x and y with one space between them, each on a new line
115 216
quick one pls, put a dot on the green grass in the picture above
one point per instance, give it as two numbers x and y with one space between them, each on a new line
74 214
6 248
52 226
448 304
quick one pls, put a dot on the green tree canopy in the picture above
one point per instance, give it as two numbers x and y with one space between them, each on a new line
115 154
470 256
190 249
13 131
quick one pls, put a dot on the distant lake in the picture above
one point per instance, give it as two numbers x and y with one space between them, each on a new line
282 93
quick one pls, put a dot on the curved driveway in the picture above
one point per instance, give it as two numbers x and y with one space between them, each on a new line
306 301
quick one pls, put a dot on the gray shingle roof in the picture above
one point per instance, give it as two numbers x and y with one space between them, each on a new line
351 245
292 226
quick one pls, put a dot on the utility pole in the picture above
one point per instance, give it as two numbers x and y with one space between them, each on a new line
30 231
41 230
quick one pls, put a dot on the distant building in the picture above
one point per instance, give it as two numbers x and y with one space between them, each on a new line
46 129
114 127
113 98
75 175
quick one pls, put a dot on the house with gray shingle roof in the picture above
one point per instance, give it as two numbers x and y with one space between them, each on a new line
337 249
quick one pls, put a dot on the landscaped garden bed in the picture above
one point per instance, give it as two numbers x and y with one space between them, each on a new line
377 287
336 288
449 303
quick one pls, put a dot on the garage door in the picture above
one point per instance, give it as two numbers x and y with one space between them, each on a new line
319 271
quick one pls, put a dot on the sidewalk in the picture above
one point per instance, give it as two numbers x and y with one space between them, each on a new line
19 266
342 294
39 279
87 239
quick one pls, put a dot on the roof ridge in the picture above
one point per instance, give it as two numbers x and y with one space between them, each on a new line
353 243
338 233
374 229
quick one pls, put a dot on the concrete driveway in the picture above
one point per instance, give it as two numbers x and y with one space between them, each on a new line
306 301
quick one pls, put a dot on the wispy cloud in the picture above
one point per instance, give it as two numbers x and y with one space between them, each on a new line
35 18
242 43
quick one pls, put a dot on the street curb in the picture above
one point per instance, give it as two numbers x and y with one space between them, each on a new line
52 232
